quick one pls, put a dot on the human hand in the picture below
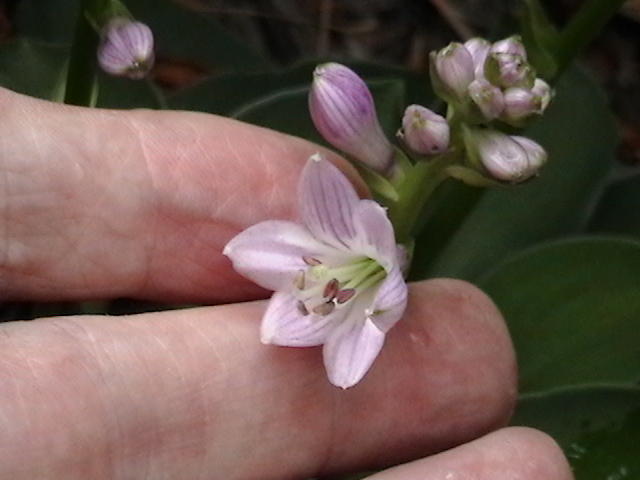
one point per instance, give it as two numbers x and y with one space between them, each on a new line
101 204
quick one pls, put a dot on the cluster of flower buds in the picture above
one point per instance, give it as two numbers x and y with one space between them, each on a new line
490 81
126 48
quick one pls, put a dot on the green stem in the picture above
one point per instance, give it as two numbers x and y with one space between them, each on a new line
421 181
584 27
81 75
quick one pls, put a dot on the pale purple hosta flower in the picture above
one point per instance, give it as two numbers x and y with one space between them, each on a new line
506 158
424 131
343 111
126 48
488 98
508 70
452 70
337 274
478 48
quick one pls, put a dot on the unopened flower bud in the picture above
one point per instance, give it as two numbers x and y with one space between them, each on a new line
452 70
512 45
542 91
343 111
508 70
424 131
478 48
519 104
487 97
126 48
506 158
535 153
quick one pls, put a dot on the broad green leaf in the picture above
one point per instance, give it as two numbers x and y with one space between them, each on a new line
573 310
597 426
34 68
180 33
618 210
226 93
540 37
553 205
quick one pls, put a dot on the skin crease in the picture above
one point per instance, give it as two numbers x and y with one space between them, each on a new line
96 204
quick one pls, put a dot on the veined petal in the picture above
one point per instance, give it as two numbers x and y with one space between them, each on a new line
390 301
270 253
374 234
350 351
284 324
327 200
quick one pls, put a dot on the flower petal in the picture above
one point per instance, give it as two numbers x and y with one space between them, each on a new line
327 200
390 301
284 324
350 351
270 253
374 234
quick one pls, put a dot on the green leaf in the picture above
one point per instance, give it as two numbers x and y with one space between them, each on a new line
597 426
179 33
34 68
540 38
619 209
573 310
580 148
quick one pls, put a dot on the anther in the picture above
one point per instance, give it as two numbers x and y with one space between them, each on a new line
324 308
302 308
345 295
311 261
298 281
331 288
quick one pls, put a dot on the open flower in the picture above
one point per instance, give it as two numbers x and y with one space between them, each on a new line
336 275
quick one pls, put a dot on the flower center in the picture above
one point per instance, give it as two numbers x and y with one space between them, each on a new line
322 288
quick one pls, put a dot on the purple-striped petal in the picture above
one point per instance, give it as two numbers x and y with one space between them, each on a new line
390 301
374 234
270 253
285 324
126 48
350 351
327 201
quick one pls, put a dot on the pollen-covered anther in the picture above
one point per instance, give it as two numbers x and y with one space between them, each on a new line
299 280
343 296
302 308
331 289
324 308
311 261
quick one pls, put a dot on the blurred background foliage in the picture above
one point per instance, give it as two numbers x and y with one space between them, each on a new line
560 255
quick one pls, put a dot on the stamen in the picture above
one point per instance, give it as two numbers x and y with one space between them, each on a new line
298 281
345 295
331 288
311 261
324 308
302 308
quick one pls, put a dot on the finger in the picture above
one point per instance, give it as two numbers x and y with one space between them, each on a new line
193 394
516 452
99 204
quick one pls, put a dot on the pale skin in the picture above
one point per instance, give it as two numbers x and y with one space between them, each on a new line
102 204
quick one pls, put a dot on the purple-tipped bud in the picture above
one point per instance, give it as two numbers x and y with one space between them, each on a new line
487 97
508 70
542 91
506 158
424 131
126 49
519 104
478 48
512 46
452 70
535 153
343 111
